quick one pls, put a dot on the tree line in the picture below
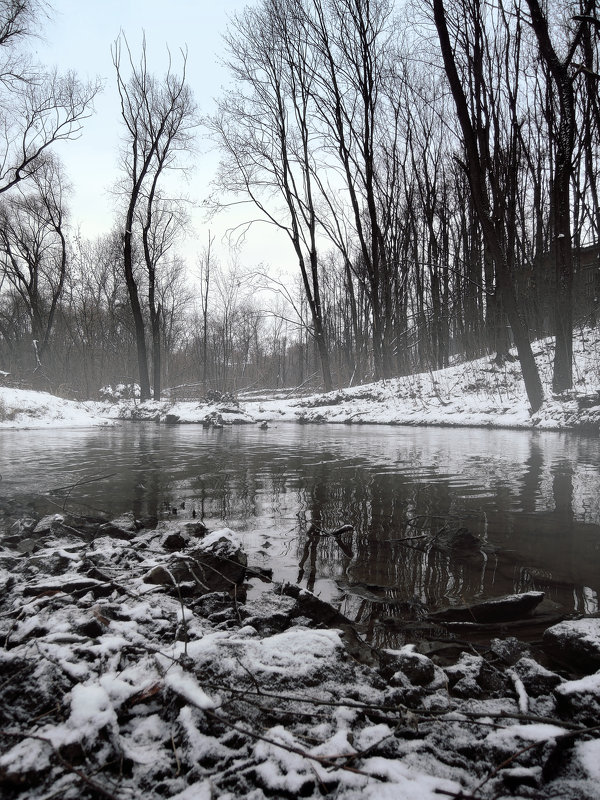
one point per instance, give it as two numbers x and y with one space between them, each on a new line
433 167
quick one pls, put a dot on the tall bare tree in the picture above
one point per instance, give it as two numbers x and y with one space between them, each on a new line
484 177
33 248
563 69
353 42
265 133
159 117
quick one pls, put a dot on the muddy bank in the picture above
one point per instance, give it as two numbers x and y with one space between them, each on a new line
133 664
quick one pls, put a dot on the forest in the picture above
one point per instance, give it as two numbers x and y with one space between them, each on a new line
433 167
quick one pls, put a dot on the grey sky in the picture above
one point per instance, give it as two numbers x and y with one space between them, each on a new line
79 36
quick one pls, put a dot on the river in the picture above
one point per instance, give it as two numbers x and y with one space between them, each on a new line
531 499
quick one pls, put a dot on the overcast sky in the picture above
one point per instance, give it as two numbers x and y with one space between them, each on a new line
79 37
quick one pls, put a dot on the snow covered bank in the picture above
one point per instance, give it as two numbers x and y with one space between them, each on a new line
21 408
115 686
476 393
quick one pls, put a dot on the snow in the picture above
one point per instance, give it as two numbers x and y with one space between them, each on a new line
514 737
590 684
224 540
475 393
589 757
586 630
263 715
202 790
187 686
21 408
91 710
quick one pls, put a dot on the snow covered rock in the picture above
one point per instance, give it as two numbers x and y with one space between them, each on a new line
575 642
463 677
419 669
508 741
217 564
581 698
536 679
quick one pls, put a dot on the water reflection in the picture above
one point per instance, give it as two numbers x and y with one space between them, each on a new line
531 499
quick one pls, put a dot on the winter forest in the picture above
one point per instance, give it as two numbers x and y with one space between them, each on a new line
433 168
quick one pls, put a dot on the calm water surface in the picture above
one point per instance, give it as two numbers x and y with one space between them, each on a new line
532 499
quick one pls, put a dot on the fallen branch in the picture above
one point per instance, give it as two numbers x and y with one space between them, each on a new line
560 738
325 761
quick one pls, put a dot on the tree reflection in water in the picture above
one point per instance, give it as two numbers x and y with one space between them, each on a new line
531 501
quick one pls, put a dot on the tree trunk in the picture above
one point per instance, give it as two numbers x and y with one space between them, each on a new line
138 318
476 175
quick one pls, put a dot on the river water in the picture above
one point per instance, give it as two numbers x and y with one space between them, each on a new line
530 502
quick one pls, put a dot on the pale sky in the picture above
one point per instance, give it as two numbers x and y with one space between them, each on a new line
79 37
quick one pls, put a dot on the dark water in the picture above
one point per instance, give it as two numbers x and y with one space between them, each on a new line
531 499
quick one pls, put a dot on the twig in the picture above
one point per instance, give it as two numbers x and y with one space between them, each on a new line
560 738
323 760
422 714
177 761
183 619
249 674
72 486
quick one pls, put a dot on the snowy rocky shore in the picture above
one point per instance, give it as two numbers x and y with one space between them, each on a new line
133 665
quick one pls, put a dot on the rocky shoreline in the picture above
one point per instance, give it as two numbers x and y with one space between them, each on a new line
133 664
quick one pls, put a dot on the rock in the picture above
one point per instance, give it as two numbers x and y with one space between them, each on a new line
197 529
26 546
218 564
507 741
211 603
213 420
115 532
537 680
126 522
522 776
324 614
48 523
508 650
174 541
85 527
460 540
419 669
172 419
498 609
463 677
52 563
24 526
580 699
575 642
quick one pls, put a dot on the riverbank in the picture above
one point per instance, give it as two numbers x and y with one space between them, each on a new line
477 393
134 664
473 394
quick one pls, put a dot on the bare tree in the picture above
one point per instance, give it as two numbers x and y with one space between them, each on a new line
265 133
562 133
161 223
37 107
33 248
159 117
482 176
354 45
206 266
